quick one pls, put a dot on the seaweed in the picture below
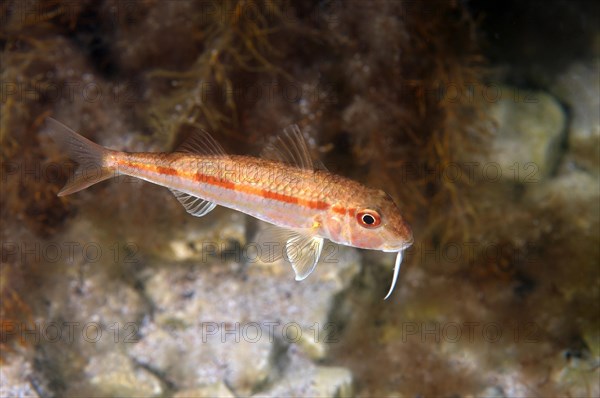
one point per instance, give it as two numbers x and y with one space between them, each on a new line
15 314
233 48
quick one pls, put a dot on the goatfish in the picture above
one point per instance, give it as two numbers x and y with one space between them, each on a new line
284 187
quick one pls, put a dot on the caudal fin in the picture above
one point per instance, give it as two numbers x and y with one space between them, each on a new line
91 157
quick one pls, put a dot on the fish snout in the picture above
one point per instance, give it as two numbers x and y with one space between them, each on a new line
404 232
410 238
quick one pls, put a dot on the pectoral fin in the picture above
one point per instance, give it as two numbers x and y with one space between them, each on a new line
303 252
300 247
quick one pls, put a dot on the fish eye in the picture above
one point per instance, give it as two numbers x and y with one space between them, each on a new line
368 218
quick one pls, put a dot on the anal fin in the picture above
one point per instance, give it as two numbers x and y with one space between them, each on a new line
194 205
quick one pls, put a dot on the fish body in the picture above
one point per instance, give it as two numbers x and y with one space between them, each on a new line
284 187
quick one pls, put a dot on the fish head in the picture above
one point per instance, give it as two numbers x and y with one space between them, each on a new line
374 222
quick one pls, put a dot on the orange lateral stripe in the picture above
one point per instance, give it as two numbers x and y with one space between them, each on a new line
219 182
148 167
210 180
167 170
339 209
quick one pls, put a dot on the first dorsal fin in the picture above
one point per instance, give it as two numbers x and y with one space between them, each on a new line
201 142
290 147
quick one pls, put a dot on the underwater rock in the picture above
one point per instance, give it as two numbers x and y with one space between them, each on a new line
90 314
107 302
15 378
492 392
574 195
302 378
114 375
526 136
579 89
237 320
197 241
332 382
88 273
571 368
196 358
219 390
221 289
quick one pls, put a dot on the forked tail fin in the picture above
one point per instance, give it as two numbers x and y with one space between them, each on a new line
91 158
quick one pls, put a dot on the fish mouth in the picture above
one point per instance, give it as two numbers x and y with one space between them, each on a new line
408 242
405 244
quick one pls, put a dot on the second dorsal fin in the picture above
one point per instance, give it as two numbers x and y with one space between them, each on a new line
201 142
290 147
